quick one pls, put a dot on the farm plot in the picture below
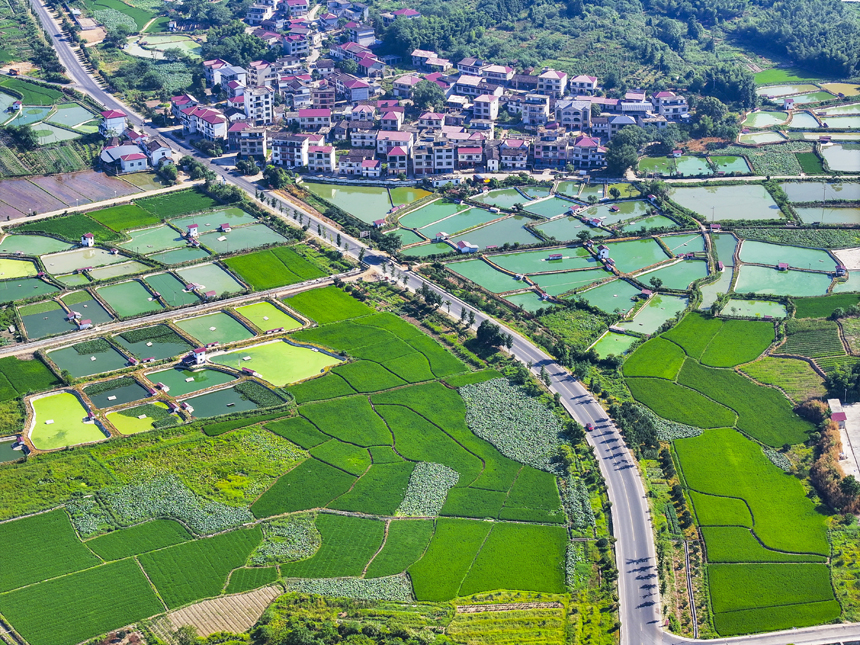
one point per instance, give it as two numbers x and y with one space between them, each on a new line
353 459
327 305
677 403
812 338
71 227
794 377
657 358
694 333
242 580
311 484
26 197
142 538
325 387
178 203
823 307
405 544
738 341
123 218
273 268
267 316
378 492
739 544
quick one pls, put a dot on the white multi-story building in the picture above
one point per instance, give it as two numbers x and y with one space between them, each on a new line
671 106
552 83
486 107
260 105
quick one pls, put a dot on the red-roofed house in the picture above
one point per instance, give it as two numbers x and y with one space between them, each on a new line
390 16
113 123
552 83
321 158
586 152
470 157
391 121
181 102
205 121
355 89
433 120
134 162
583 83
296 45
498 73
371 168
386 140
298 7
397 160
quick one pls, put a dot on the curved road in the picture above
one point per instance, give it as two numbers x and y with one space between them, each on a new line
638 584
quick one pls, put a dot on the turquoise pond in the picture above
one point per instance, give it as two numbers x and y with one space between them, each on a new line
503 198
486 276
529 301
555 284
460 221
684 243
632 255
679 275
538 261
794 256
764 280
424 250
722 203
507 231
613 296
818 191
654 313
725 244
710 292
550 207
757 308
566 229
649 224
431 213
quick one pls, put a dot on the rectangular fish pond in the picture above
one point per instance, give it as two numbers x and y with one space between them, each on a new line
803 121
785 90
711 291
818 191
535 192
182 381
32 244
215 328
211 220
211 277
433 212
224 401
507 231
239 239
406 236
129 299
141 418
12 290
69 261
851 285
679 275
529 301
842 157
794 256
551 207
88 358
267 316
654 313
118 270
152 240
58 421
89 308
502 198
663 166
556 284
731 163
486 276
649 224
43 319
764 119
751 202
569 188
172 289
690 166
613 296
684 243
725 245
403 195
755 279
810 214
423 250
842 122
278 362
366 203
633 255
759 138
116 392
574 257
11 269
565 229
618 211
461 221
73 279
757 308
158 342
613 343
179 256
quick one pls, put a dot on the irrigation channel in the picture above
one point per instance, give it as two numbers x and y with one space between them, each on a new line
641 617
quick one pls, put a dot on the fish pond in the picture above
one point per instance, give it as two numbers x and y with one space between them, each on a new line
32 244
239 239
11 269
765 119
535 192
684 243
711 291
810 214
842 157
550 207
181 381
69 261
433 212
723 203
172 289
118 270
89 308
556 284
818 191
73 279
569 188
731 164
212 220
853 108
764 280
129 299
403 195
44 319
486 276
215 328
158 342
366 203
152 240
179 256
654 313
756 308
267 316
141 418
759 138
812 97
539 261
88 358
617 212
12 290
633 255
565 229
211 277
649 224
406 236
502 198
613 343
7 452
794 256
279 362
785 90
225 401
725 244
507 231
842 122
803 121
529 301
127 390
461 221
679 275
424 250
613 296
688 166
58 421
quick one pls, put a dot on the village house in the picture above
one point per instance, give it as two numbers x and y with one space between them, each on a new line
403 86
290 150
486 107
552 83
321 159
247 139
350 164
113 123
311 120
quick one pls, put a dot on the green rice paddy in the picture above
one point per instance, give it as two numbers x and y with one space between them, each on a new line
58 422
613 343
279 362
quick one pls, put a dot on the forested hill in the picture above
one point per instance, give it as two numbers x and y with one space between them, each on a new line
636 42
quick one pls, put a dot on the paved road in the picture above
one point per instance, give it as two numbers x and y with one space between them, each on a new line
638 583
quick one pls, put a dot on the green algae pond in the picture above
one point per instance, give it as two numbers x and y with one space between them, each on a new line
239 239
69 261
44 319
182 381
507 231
851 285
684 243
427 249
212 220
759 138
689 166
764 280
88 358
215 328
11 269
794 256
679 275
278 362
461 221
32 244
7 452
613 343
565 229
596 190
649 224
556 284
754 308
267 316
613 296
73 279
118 270
785 90
731 163
152 240
656 311
58 421
663 166
486 276
158 342
502 198
211 277
821 191
89 308
539 261
172 289
431 213
725 244
853 108
12 290
403 195
842 122
126 391
569 188
633 255
136 420
812 97
842 157
828 215
529 301
406 236
723 203
710 292
765 119
180 256
129 299
366 203
535 192
225 401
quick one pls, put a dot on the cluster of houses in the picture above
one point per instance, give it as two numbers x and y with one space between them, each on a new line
126 150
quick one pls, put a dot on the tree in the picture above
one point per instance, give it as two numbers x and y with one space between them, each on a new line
23 136
656 283
426 95
361 254
596 110
117 36
850 487
620 158
247 167
615 192
490 334
471 318
347 66
275 176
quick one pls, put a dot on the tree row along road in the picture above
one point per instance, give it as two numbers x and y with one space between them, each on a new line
638 582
